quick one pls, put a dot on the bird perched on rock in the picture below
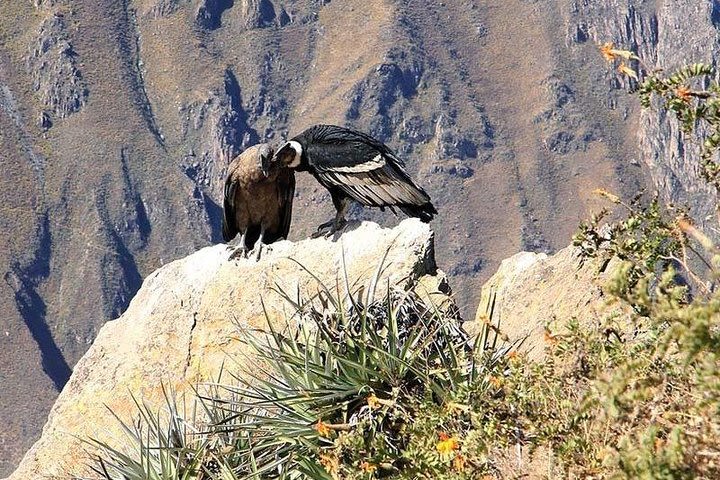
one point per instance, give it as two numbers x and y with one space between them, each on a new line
354 165
258 200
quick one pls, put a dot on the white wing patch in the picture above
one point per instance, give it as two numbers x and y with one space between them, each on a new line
377 187
374 164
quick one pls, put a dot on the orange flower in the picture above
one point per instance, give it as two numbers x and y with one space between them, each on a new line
659 444
330 463
458 463
607 50
322 429
625 70
447 444
495 381
549 337
611 53
368 467
373 402
683 93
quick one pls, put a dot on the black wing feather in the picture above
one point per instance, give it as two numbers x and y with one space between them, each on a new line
229 227
287 194
364 169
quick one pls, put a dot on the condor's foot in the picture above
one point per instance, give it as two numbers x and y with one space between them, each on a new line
257 251
332 226
238 252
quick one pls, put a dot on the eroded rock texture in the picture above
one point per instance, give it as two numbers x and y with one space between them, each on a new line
53 65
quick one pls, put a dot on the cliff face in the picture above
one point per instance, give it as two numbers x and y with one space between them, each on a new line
668 35
117 120
186 320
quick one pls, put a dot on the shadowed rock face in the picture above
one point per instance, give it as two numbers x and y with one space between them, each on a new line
118 119
185 322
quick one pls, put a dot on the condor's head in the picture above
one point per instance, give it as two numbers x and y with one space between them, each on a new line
264 157
290 155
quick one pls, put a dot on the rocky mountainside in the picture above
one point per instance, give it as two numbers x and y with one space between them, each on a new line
118 118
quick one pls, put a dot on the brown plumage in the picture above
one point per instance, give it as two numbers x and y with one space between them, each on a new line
258 199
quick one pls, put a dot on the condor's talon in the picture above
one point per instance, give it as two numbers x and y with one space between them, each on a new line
240 252
321 229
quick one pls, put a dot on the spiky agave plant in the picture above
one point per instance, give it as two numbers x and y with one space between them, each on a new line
172 443
354 363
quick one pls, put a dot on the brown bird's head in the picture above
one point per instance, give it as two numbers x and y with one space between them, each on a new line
264 155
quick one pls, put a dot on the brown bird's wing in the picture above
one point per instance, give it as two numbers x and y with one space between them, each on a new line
229 223
282 209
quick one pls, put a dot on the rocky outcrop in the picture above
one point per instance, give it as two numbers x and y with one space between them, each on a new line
54 68
183 324
253 13
533 295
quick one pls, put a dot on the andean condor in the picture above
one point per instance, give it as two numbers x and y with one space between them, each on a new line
354 165
258 200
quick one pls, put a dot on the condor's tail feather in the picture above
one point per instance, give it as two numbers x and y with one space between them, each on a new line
424 212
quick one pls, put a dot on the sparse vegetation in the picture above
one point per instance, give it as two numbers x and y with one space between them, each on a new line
386 386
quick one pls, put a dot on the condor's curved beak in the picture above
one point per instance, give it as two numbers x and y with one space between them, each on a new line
265 164
266 155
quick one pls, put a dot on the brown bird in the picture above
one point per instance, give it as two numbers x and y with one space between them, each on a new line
258 200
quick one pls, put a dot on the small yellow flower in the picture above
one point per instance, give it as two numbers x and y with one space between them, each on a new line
683 93
368 467
447 444
373 402
322 429
458 463
604 193
625 70
453 407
